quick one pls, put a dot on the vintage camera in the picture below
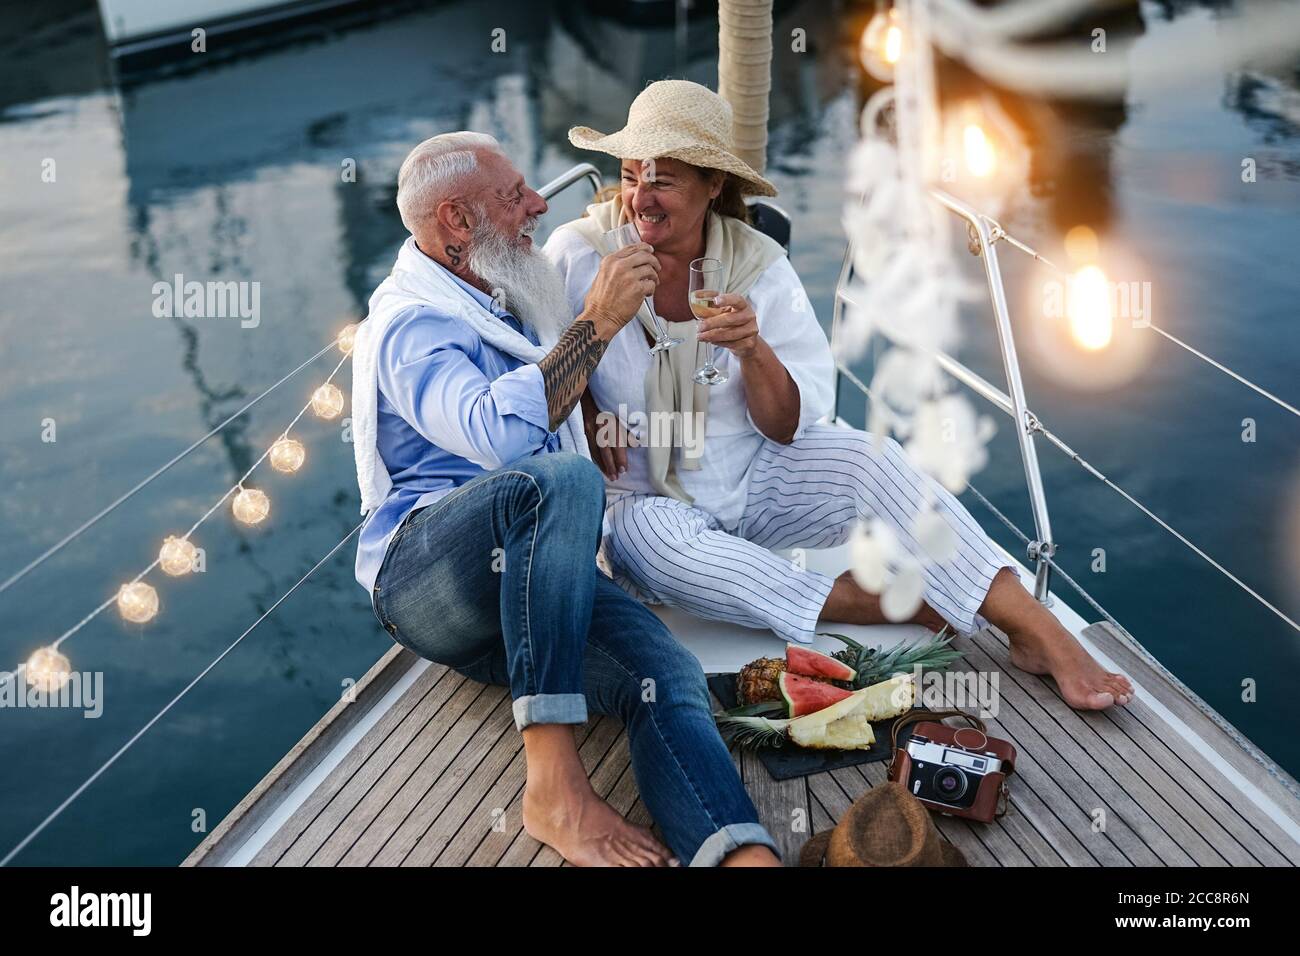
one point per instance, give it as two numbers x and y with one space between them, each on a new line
960 771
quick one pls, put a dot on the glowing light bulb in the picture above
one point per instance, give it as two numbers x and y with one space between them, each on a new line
1081 245
978 150
138 602
287 455
47 670
251 506
1091 320
177 556
347 338
883 45
327 401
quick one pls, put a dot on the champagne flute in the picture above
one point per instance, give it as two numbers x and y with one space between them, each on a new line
704 292
626 235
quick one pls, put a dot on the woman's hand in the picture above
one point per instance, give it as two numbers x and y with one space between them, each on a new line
607 439
734 329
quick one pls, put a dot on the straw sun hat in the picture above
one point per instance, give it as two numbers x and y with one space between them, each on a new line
677 119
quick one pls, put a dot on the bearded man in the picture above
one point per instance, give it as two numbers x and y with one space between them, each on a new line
484 512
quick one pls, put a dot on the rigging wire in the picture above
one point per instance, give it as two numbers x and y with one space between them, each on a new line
91 522
170 704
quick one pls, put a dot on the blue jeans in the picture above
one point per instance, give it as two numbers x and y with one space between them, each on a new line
498 581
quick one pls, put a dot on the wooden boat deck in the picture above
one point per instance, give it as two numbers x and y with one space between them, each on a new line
433 777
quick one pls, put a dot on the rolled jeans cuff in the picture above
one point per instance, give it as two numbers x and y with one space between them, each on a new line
732 837
550 709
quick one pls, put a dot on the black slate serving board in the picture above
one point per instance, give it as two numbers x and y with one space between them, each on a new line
790 760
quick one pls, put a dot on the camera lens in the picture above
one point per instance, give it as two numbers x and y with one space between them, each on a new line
949 783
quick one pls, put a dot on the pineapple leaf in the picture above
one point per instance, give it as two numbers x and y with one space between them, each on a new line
751 731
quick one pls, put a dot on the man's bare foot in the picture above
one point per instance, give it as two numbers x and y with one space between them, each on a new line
850 604
751 854
587 831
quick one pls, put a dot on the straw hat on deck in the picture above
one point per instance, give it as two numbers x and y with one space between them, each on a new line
677 119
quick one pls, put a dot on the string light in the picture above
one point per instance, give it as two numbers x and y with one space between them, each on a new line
978 151
347 338
137 601
327 401
48 670
251 505
1091 320
287 455
882 44
176 557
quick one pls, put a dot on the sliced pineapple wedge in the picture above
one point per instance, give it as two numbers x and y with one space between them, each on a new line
846 725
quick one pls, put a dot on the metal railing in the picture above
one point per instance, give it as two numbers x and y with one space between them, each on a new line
566 179
1042 548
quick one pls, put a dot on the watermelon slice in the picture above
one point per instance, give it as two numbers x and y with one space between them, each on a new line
803 695
800 660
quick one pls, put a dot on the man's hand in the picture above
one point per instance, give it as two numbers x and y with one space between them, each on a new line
734 329
607 438
625 279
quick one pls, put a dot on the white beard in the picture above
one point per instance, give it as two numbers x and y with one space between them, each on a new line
523 280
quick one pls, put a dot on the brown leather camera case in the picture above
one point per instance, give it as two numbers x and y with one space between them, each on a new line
990 801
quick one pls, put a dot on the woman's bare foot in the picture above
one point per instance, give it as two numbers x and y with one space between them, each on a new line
587 831
850 604
1040 644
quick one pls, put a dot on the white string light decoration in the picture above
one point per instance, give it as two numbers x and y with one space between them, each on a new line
49 669
906 289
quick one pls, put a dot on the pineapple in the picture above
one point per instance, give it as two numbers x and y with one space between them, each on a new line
759 681
874 664
842 726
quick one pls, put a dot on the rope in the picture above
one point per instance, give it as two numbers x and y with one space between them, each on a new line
172 703
745 74
87 525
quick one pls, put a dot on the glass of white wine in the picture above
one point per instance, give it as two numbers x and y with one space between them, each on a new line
704 292
626 235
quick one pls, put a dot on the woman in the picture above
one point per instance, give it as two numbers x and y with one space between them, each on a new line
691 522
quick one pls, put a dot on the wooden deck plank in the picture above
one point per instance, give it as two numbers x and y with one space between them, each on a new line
1123 791
385 804
439 781
1070 782
776 801
435 783
318 817
468 808
1184 817
1184 762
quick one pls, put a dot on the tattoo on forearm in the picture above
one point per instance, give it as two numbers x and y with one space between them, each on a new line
566 368
453 253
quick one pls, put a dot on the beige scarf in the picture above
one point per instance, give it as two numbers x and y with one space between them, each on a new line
671 394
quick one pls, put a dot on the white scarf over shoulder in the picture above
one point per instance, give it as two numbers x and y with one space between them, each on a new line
416 280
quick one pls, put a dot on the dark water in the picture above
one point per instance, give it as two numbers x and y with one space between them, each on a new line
233 173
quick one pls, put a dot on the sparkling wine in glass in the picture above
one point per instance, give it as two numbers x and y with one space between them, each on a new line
626 235
704 292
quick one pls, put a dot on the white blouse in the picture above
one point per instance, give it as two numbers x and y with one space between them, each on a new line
785 321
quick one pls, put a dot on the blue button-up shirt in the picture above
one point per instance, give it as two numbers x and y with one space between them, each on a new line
450 408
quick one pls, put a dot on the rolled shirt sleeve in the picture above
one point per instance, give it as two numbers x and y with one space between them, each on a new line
787 322
427 373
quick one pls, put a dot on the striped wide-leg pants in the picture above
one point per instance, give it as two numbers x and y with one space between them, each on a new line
808 494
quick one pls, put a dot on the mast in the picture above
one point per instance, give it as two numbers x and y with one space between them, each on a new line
745 73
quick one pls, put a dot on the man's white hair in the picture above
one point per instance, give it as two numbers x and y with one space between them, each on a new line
431 169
